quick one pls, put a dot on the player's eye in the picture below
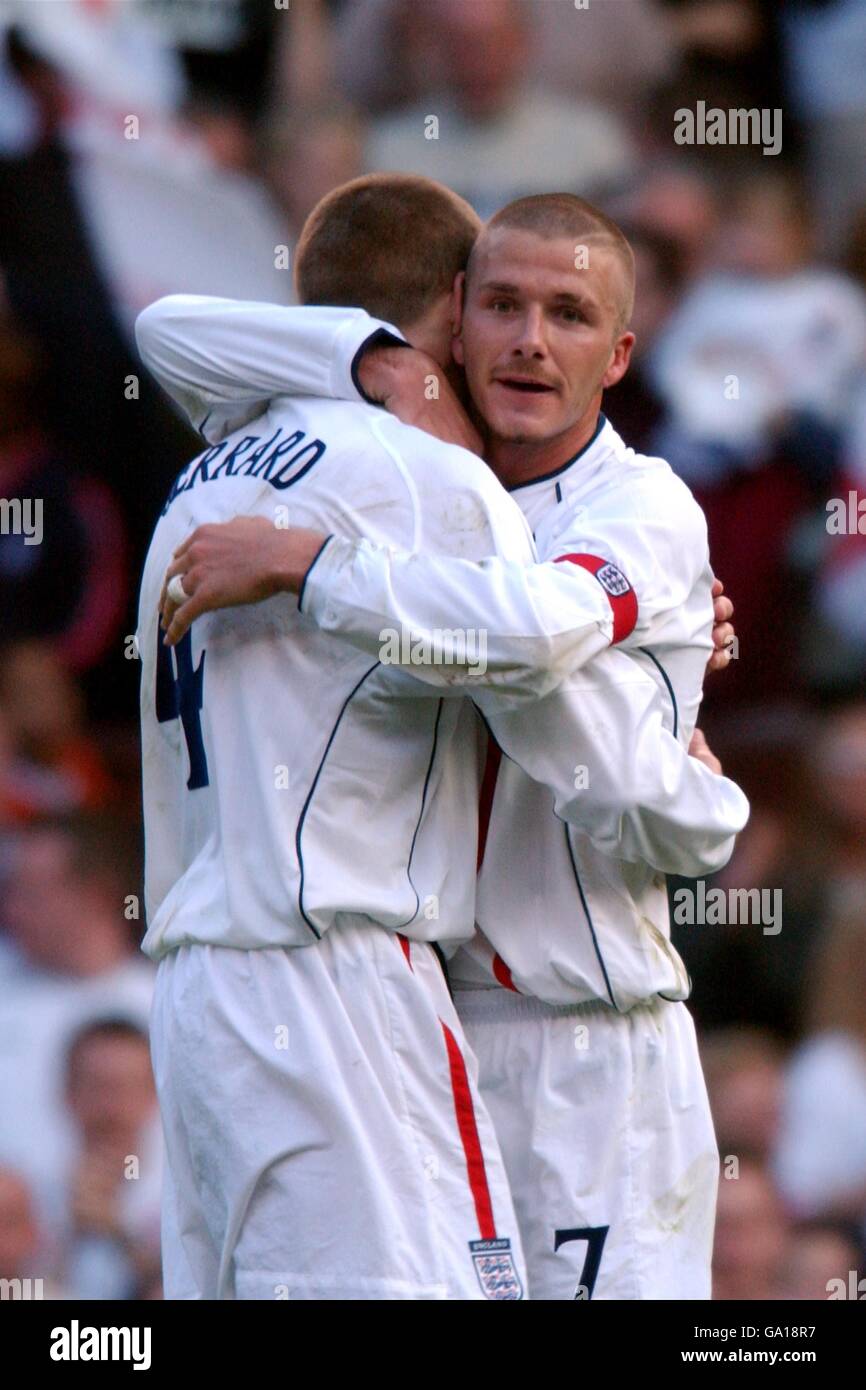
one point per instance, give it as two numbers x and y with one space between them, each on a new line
569 314
500 306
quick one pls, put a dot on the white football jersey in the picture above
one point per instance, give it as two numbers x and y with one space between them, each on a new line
570 908
574 924
288 779
596 798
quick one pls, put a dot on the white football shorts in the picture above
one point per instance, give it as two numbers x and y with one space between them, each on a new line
324 1131
605 1128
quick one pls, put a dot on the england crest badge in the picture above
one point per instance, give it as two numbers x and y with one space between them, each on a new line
612 580
495 1267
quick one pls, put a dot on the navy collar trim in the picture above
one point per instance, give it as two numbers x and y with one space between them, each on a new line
546 477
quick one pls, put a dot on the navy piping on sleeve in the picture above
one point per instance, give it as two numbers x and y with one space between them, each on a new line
669 998
310 571
380 337
666 678
202 425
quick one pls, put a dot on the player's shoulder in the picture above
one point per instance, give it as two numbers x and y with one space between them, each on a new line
349 429
464 509
648 490
348 425
424 454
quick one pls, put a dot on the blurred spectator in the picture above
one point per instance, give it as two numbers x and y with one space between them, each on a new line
633 406
826 46
227 50
836 652
768 339
821 1155
743 1072
83 409
52 764
839 768
165 199
112 1240
306 154
165 218
819 1254
71 526
613 53
70 886
751 1233
487 132
729 57
805 842
19 1238
679 203
758 370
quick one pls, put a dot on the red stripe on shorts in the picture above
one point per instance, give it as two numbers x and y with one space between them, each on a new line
404 942
469 1137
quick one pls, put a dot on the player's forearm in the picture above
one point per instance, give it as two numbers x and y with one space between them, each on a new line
692 829
617 775
675 814
527 627
224 360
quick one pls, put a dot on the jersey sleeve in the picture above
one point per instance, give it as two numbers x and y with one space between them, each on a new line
552 617
465 606
599 744
223 360
632 573
655 533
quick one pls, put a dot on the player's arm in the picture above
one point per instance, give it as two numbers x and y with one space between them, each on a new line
598 742
223 360
626 577
655 531
357 589
530 624
642 797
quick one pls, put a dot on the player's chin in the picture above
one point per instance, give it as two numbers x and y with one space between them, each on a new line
530 419
520 427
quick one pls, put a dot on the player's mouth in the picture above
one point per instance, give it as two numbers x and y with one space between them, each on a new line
524 385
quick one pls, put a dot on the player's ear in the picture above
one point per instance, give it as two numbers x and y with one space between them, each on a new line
457 294
619 360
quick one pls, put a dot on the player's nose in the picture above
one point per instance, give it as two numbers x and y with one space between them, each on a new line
530 340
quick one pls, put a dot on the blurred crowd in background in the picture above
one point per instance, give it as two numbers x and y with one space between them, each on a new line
149 147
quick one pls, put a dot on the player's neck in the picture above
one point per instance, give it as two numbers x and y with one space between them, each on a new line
517 461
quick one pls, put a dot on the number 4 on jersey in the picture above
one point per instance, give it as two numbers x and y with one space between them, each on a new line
179 696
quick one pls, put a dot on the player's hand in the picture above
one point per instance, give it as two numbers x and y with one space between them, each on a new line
227 564
723 629
412 386
700 749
